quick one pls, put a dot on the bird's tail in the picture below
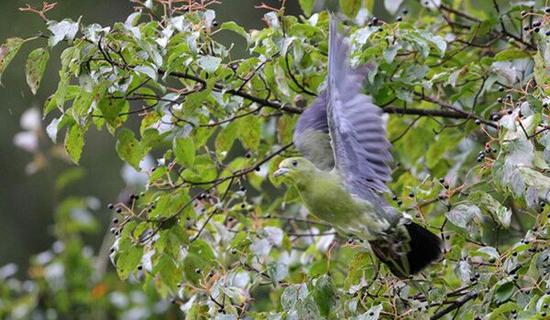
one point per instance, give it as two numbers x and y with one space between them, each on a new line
405 257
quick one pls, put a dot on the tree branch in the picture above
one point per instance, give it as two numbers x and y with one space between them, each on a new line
454 114
457 304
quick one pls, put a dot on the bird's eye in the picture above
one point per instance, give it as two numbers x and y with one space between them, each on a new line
295 163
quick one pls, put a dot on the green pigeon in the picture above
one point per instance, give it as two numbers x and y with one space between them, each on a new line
342 175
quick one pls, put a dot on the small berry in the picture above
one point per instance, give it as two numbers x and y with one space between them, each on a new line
233 251
478 122
242 189
441 180
399 19
405 12
394 198
547 33
536 30
118 210
197 270
110 206
411 194
499 100
115 221
399 202
140 267
547 10
374 20
215 23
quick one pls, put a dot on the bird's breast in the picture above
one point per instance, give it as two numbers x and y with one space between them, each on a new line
329 200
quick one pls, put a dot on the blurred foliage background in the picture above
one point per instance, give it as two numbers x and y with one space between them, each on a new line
26 201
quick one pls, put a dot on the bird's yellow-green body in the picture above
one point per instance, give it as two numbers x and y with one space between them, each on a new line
326 197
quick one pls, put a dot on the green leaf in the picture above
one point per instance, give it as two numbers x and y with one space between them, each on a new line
184 149
8 50
130 149
148 71
350 7
71 93
499 212
128 258
501 310
111 108
373 313
169 272
36 65
540 72
250 131
200 258
504 291
69 57
63 30
74 142
324 295
225 139
232 26
169 204
511 54
209 63
463 215
307 6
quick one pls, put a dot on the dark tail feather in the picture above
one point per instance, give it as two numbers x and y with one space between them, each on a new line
424 248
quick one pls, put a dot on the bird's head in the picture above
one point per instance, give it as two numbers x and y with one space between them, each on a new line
294 170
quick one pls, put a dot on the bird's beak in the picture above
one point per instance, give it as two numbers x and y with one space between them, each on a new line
280 172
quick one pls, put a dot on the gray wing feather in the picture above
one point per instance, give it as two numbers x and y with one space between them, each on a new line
358 136
343 127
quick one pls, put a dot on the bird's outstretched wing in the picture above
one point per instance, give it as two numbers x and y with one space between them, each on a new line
343 128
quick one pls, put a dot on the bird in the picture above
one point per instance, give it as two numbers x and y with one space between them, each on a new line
344 169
